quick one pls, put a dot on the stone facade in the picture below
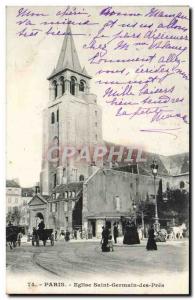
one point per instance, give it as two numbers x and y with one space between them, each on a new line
13 195
108 196
72 118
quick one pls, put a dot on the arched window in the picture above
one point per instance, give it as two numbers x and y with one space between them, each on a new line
52 118
65 206
81 177
72 85
62 84
55 88
82 86
57 116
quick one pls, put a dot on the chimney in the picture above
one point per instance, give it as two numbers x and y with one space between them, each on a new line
37 188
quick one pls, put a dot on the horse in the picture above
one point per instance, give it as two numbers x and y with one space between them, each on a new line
12 235
177 232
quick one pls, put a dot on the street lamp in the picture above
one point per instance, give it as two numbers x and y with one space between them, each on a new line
154 168
134 208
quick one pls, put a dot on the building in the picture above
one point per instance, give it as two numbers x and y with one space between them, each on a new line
74 193
13 195
72 118
26 196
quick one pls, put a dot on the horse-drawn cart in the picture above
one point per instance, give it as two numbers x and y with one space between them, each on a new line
42 235
12 233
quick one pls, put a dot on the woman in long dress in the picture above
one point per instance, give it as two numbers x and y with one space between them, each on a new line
127 234
105 238
151 244
131 236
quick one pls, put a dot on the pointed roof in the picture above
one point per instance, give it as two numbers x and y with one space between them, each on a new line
68 58
38 199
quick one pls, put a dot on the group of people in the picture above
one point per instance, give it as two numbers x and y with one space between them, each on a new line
131 237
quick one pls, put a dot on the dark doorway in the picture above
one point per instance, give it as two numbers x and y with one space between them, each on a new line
77 213
93 226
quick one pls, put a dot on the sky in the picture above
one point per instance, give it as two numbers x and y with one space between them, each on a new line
29 62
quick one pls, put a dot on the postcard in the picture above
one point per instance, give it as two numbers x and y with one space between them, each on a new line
98 156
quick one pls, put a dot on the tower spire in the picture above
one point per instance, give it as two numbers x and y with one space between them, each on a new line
68 58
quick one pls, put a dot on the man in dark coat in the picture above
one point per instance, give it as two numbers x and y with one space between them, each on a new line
115 233
41 225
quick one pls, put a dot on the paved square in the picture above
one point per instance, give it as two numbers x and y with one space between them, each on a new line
85 259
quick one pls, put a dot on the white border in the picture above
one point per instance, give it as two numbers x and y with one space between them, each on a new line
3 4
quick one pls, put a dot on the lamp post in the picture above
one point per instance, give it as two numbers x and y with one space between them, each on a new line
134 208
154 168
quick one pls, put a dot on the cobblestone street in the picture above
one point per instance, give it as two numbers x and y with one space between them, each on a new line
84 258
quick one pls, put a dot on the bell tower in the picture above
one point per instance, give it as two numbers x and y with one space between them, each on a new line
72 118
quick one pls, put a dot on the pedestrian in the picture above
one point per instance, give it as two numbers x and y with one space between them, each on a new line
28 236
135 235
19 237
115 232
131 236
151 244
75 234
105 238
80 234
41 225
140 232
110 242
35 237
67 235
127 234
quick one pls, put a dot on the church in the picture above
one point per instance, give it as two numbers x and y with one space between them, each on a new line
73 193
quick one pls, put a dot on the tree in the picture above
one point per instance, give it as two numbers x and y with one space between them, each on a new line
145 209
176 205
